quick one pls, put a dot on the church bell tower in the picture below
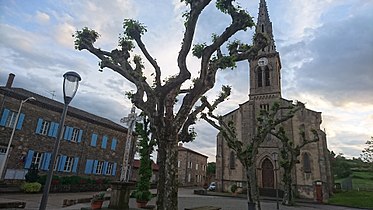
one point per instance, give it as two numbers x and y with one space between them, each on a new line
265 77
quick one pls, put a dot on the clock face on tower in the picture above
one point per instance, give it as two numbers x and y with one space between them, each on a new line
263 61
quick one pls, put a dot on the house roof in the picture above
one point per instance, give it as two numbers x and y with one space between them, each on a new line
47 103
137 163
181 148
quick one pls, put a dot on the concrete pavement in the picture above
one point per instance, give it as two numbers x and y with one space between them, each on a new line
186 199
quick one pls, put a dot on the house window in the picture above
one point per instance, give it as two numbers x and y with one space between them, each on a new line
109 169
56 164
190 164
36 159
44 127
196 166
189 177
99 167
11 120
178 163
232 161
75 135
68 164
306 163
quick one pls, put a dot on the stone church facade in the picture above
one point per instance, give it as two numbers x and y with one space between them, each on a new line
312 176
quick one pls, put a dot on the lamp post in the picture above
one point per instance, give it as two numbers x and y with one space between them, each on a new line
11 136
275 158
70 86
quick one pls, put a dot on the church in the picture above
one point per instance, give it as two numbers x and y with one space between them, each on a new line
312 177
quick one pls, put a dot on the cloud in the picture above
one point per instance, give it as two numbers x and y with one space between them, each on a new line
63 35
342 64
42 18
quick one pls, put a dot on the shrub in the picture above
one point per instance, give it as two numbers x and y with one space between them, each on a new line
143 195
31 187
234 188
98 197
32 174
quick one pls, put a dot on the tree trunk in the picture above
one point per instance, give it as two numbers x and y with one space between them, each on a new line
288 191
250 201
254 185
168 181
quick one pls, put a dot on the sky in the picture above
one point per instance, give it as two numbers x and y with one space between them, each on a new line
326 50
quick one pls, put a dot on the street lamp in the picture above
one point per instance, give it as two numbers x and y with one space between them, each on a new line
70 86
275 158
11 136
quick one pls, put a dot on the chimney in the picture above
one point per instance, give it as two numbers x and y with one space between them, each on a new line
9 83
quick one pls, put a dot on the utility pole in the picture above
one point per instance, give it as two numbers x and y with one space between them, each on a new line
129 150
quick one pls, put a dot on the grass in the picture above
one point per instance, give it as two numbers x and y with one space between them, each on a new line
360 199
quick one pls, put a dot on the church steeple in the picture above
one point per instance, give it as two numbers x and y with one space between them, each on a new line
264 25
265 78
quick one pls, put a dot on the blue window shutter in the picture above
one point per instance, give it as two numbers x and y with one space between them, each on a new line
114 144
114 169
20 121
88 167
44 163
94 140
80 135
29 156
62 163
55 129
51 129
47 160
66 135
4 117
75 165
95 162
104 168
70 133
104 142
38 127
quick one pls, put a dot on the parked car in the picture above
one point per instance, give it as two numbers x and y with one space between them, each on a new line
212 186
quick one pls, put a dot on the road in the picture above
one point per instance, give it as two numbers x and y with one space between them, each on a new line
186 199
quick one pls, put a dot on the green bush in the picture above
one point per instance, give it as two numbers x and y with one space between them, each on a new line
234 188
31 187
32 174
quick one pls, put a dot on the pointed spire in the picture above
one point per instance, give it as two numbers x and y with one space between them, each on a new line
264 25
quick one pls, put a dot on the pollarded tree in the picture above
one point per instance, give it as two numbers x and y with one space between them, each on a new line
289 152
157 100
247 151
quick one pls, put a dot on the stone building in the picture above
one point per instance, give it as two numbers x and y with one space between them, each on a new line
92 146
312 175
192 167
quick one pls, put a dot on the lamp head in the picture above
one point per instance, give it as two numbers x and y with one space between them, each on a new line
70 85
275 156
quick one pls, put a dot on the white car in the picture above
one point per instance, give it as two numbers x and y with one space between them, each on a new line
212 186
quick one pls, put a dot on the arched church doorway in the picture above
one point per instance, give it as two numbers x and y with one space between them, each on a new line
267 174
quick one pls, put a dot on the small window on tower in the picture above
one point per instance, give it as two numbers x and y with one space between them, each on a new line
260 78
266 76
264 107
262 28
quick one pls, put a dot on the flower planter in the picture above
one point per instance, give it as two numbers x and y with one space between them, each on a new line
96 204
141 204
